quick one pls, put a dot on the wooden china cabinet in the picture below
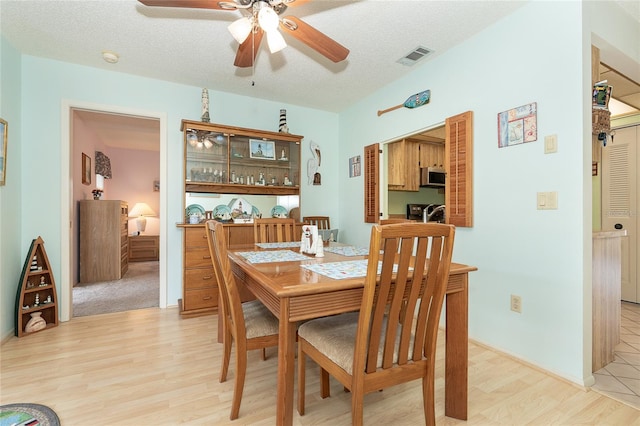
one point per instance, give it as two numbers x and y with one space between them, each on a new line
221 159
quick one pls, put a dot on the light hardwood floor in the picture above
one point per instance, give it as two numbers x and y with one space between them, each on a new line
150 367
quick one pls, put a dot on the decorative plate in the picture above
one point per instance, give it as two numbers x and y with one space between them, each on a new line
222 212
255 212
279 211
194 209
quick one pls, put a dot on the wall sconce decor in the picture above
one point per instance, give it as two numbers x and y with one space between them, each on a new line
140 210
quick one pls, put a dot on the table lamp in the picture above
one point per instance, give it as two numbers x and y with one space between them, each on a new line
140 210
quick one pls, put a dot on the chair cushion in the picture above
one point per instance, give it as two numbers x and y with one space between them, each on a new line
259 321
335 337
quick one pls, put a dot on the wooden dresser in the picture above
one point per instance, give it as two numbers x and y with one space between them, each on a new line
199 285
144 248
104 243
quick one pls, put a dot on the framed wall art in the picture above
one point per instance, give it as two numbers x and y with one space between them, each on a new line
3 150
86 169
263 150
354 166
518 125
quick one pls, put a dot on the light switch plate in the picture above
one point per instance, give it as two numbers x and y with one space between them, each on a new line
550 144
547 200
542 200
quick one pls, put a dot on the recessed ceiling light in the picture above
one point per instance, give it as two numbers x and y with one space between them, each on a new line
109 56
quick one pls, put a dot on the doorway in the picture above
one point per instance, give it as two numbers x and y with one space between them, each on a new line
621 204
69 221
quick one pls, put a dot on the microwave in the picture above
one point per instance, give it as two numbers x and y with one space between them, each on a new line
432 176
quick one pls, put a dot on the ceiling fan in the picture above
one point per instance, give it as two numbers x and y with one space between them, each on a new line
260 17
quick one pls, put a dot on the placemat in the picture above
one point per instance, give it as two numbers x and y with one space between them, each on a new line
342 270
348 250
272 256
279 245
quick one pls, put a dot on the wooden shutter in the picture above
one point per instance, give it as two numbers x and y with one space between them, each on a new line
371 189
459 167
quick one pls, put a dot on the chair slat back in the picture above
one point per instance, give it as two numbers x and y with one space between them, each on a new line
274 230
322 222
394 221
402 307
231 307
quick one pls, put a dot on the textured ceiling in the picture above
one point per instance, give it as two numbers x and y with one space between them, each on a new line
194 47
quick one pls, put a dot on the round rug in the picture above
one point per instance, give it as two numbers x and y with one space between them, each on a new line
28 414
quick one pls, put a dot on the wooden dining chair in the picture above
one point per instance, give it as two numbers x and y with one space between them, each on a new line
322 222
250 325
273 230
392 339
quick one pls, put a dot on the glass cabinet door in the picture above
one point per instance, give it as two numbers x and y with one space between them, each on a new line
206 156
226 160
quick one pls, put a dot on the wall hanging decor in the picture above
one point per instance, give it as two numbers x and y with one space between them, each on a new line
86 169
3 150
313 164
412 101
518 125
354 166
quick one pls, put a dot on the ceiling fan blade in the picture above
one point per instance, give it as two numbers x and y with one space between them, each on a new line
195 4
245 57
315 39
290 3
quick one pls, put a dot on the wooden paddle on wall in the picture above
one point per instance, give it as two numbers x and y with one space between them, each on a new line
412 101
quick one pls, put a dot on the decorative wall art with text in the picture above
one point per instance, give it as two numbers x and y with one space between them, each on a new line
518 125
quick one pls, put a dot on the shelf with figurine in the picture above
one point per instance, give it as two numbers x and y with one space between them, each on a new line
36 300
233 160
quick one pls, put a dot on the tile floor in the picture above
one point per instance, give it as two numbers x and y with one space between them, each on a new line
621 378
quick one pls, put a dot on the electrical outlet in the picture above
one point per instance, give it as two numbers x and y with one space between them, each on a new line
516 303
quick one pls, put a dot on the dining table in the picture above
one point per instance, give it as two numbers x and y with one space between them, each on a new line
297 287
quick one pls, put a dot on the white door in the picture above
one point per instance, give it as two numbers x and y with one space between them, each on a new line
620 203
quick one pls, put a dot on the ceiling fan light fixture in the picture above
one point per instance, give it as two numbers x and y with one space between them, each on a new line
268 19
241 29
275 41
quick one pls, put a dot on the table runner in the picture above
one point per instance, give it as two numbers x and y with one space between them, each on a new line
272 256
279 245
348 250
342 270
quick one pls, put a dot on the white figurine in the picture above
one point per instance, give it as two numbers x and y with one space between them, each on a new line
309 242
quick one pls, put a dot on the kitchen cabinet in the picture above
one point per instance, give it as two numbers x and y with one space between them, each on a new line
403 166
431 154
104 242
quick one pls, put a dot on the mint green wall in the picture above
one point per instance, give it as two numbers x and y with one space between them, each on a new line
11 253
540 53
47 83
